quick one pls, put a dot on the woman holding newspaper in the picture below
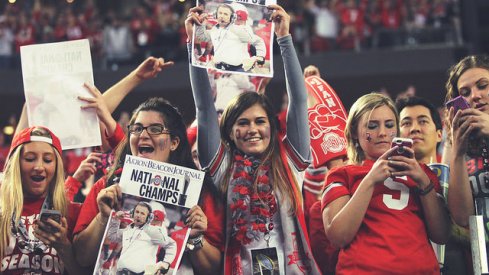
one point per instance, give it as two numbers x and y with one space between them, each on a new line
36 218
156 131
257 173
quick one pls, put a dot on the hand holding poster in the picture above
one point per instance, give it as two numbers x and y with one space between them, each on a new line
148 234
236 36
54 74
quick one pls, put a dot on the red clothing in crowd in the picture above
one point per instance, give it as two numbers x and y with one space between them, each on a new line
18 260
324 252
392 236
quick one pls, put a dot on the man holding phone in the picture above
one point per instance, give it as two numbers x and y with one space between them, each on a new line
420 121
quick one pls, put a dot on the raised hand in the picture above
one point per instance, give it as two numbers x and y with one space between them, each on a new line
151 67
97 102
311 70
281 20
195 16
88 167
197 221
108 199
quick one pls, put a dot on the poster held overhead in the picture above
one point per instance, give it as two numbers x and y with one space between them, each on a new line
235 37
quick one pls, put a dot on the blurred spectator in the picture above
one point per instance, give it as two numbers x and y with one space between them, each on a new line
144 30
74 30
155 27
6 40
123 121
117 43
326 25
352 22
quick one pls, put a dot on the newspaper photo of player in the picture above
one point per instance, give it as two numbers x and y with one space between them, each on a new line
147 234
144 237
235 37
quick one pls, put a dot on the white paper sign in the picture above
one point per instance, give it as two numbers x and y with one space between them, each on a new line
54 74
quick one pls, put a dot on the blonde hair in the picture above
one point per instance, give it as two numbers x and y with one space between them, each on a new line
362 106
12 195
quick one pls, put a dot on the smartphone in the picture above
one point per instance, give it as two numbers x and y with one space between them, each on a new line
54 215
458 103
401 144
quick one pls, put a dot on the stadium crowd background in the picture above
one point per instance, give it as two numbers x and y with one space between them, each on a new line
124 32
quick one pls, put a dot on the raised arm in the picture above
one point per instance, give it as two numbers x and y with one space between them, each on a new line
148 69
208 136
297 122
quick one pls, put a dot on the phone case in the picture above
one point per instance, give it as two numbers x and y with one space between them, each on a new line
401 143
458 103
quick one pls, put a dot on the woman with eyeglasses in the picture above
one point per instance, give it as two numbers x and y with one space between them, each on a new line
156 131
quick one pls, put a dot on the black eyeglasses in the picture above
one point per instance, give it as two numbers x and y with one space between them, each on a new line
152 130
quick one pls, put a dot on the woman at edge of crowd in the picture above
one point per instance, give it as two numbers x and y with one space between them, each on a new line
33 181
469 132
382 198
249 145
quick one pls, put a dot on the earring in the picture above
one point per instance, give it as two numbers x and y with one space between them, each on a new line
356 144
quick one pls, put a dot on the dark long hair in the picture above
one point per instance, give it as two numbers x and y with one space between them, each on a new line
454 73
280 180
173 120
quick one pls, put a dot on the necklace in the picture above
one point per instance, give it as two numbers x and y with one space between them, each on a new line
252 205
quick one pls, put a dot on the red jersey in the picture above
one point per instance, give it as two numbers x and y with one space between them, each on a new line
392 238
325 254
18 260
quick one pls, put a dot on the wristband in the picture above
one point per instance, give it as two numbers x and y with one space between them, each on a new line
195 243
425 191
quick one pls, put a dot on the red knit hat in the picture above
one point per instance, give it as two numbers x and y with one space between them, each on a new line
26 136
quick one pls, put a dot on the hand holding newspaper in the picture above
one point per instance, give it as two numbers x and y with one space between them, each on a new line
148 235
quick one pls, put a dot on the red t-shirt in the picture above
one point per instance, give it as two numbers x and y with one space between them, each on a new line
215 214
325 254
392 237
19 261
